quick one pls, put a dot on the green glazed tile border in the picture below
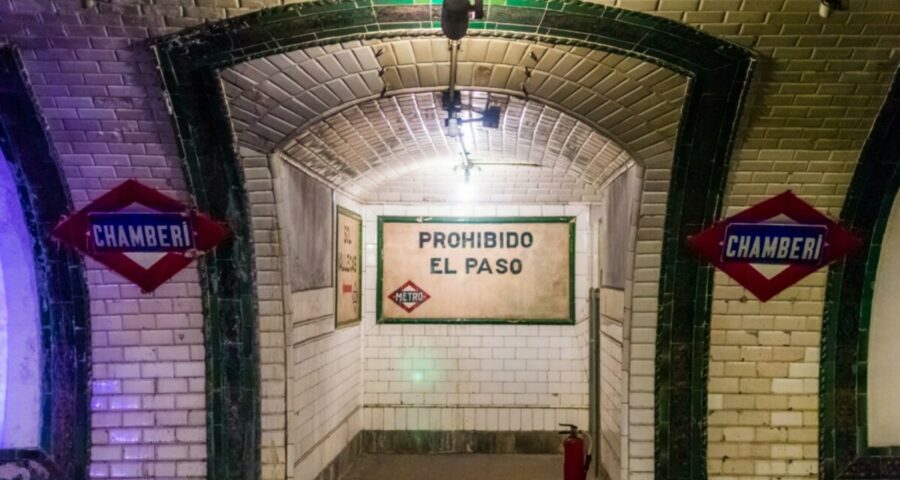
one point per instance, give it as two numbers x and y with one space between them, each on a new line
843 420
229 304
719 73
64 450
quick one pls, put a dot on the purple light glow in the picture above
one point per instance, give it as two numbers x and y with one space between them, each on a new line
20 346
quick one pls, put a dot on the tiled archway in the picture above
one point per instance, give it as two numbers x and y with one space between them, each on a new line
63 449
308 100
719 74
845 452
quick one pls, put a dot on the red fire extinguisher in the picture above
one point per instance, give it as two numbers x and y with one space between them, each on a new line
576 462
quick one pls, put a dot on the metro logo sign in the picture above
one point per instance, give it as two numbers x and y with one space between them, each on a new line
409 296
140 233
774 244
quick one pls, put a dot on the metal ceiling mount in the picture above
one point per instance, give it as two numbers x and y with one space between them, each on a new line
455 15
826 7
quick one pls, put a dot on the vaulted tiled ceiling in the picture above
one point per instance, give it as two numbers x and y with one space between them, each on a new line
363 113
382 139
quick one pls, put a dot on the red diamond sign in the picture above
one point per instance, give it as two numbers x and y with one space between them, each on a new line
774 244
409 296
140 233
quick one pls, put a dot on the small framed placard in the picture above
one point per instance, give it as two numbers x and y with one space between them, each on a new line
348 291
476 270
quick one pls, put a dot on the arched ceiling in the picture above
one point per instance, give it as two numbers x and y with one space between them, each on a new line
380 140
363 114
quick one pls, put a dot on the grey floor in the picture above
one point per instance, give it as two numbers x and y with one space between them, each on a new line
457 467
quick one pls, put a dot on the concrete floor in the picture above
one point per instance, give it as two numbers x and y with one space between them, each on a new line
457 467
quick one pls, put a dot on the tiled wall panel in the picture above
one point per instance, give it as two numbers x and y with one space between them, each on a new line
272 339
611 381
764 357
324 364
95 83
475 377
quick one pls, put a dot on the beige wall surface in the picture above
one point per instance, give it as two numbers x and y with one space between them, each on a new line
512 283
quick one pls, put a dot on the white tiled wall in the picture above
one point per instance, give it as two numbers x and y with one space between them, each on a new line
325 381
475 377
611 382
272 323
324 366
148 402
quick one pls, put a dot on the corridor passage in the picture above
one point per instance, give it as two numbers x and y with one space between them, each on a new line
449 239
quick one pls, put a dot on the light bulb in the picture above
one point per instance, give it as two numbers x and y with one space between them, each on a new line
453 127
465 191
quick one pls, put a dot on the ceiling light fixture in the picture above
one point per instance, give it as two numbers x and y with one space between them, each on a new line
455 16
467 165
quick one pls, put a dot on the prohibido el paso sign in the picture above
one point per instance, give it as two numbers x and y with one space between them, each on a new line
456 269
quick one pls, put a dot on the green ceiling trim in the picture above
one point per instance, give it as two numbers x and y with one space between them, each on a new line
844 453
719 71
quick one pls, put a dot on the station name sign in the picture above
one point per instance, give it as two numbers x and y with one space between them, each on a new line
141 233
457 269
774 244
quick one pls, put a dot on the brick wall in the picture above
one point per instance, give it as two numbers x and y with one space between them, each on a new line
325 383
148 378
491 184
324 364
764 357
270 293
475 377
611 381
98 92
639 333
818 88
618 233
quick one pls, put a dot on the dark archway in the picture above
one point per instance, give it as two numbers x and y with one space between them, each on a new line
719 72
64 447
844 452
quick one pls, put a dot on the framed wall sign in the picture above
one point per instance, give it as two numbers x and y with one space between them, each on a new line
348 248
476 270
308 220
